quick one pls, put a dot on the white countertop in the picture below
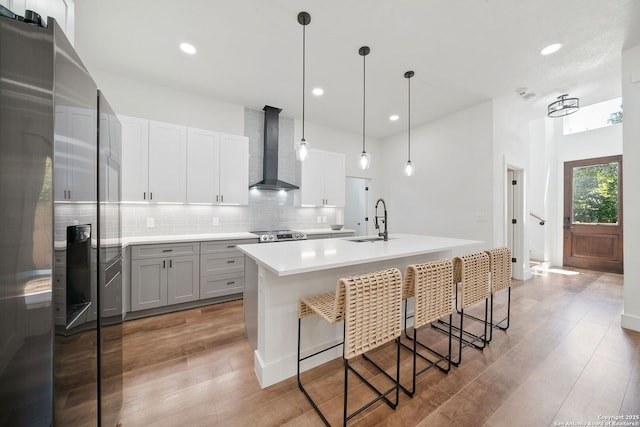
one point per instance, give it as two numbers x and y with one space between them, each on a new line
179 238
305 256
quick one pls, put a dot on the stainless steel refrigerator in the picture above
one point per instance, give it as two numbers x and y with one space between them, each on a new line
56 263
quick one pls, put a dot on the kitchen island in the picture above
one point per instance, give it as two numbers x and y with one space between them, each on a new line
277 275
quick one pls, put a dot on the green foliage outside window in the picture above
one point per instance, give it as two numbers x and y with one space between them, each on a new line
595 194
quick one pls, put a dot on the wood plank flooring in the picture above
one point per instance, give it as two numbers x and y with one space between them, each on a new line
565 358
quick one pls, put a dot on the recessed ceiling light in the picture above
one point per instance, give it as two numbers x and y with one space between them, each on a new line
552 48
394 117
317 91
188 48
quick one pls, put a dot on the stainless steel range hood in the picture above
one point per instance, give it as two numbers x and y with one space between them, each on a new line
270 179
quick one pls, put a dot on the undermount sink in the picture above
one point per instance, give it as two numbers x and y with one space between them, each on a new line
367 239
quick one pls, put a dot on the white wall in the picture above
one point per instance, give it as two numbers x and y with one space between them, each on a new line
631 171
451 191
140 99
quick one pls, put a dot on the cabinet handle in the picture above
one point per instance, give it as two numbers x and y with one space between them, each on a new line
164 264
231 246
231 283
222 198
144 195
69 192
217 198
170 263
151 195
167 250
231 261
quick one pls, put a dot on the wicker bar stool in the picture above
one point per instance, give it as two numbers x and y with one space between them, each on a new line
471 276
431 286
371 307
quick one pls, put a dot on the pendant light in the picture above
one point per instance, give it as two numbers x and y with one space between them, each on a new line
302 146
563 106
365 159
409 169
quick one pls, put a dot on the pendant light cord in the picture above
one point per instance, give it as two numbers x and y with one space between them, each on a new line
409 119
304 43
364 96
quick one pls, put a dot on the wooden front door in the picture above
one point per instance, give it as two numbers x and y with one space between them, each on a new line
593 214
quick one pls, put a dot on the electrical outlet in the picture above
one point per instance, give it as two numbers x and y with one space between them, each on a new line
76 222
215 220
151 222
319 220
324 219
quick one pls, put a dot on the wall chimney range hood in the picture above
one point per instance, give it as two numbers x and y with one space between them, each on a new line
270 179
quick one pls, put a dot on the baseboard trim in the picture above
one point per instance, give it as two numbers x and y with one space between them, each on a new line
630 322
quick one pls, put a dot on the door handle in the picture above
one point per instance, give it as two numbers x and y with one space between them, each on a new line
568 227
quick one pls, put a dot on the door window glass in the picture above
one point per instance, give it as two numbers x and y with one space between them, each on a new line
595 194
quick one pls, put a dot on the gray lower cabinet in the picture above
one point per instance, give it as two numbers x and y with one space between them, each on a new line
221 268
164 274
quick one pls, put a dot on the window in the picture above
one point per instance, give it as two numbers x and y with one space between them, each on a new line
594 116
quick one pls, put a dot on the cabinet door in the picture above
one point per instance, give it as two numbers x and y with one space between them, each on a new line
184 279
202 166
234 169
167 162
135 159
335 181
312 179
148 283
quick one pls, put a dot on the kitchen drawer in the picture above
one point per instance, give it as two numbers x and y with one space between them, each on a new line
155 251
224 284
212 264
216 246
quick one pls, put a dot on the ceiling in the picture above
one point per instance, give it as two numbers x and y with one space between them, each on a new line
463 52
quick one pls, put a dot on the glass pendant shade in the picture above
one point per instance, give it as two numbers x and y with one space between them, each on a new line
409 169
302 150
365 160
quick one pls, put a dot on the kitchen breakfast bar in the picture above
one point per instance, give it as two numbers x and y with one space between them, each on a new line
277 275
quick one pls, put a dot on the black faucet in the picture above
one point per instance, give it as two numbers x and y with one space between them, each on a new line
385 233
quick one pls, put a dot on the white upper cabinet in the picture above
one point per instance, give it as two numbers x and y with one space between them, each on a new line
203 148
135 159
217 168
234 169
322 179
167 162
62 10
75 154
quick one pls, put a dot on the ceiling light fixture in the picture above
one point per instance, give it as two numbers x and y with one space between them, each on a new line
563 106
552 48
365 159
409 169
302 147
188 48
318 91
394 117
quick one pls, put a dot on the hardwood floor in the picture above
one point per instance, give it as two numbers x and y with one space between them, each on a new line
564 358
